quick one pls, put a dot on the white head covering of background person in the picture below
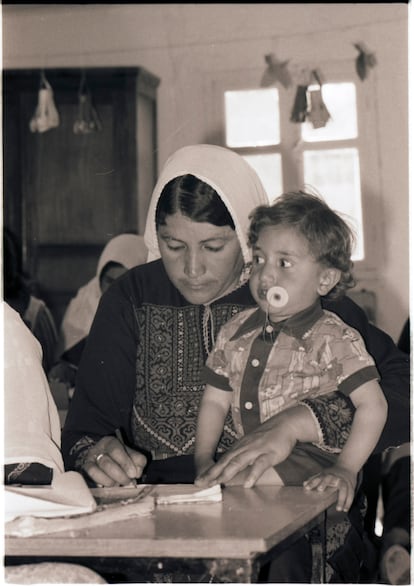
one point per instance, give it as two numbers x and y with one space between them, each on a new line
128 250
228 173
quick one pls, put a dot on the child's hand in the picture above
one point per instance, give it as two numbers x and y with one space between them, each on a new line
341 478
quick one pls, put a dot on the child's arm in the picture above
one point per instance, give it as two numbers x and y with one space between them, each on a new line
214 407
369 420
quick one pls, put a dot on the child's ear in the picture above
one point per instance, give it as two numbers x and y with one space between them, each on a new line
328 279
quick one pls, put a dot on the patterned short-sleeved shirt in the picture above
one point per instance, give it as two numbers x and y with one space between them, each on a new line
270 367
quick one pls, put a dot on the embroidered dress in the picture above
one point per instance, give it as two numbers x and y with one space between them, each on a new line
155 357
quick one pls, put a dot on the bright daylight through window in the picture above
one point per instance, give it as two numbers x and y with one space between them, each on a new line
325 159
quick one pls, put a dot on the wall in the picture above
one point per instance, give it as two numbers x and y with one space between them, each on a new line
187 45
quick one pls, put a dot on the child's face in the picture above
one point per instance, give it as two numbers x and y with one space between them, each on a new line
281 258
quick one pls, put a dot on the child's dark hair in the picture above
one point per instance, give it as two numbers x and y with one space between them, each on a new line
330 239
193 198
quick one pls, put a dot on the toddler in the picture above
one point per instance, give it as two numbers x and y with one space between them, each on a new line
288 349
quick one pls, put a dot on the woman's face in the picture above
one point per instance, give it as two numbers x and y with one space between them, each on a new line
202 260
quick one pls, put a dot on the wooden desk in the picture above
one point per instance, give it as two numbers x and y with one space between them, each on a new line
231 539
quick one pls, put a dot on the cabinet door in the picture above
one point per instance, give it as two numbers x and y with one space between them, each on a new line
70 193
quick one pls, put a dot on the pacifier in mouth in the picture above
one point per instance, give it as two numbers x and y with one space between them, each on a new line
277 297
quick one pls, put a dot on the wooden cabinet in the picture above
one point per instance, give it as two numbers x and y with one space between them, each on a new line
67 194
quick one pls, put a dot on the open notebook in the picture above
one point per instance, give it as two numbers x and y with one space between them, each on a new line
67 495
69 505
163 494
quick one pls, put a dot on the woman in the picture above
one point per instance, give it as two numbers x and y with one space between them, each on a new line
140 370
119 254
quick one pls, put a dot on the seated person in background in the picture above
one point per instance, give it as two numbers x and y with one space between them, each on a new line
32 440
288 349
120 254
18 294
404 342
395 543
387 477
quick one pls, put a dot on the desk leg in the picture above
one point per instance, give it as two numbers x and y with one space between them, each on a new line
317 537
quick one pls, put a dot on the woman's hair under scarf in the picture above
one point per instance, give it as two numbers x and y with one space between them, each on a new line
129 250
234 180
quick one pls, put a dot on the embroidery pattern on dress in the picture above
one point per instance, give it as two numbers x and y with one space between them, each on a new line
169 357
80 450
338 410
17 471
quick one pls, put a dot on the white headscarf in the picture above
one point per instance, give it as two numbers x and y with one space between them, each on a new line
128 250
32 425
228 173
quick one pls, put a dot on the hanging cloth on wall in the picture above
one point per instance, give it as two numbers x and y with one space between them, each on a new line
87 120
309 104
318 113
46 115
365 61
300 105
276 71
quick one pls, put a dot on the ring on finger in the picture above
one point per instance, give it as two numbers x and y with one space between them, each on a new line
99 457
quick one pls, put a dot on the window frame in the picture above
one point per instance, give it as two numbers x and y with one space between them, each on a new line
291 146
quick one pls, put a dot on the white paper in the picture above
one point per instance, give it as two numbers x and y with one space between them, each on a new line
67 495
171 494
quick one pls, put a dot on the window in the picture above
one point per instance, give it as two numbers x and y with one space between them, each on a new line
252 122
326 159
252 118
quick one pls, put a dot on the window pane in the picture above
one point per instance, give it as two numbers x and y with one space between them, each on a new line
269 169
335 175
252 118
340 99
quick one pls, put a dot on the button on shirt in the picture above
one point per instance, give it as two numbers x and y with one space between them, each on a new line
269 369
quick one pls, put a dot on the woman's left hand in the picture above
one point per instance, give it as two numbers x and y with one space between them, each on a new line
254 454
335 477
264 447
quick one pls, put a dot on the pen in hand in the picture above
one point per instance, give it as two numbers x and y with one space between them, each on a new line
121 440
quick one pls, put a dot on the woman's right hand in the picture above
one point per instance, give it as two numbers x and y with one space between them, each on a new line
109 463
